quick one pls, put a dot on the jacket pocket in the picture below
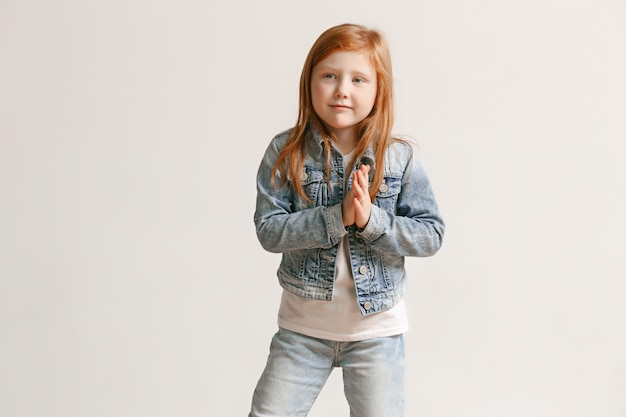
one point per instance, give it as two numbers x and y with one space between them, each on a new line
314 185
387 194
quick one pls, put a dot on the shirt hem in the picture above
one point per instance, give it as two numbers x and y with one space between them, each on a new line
334 337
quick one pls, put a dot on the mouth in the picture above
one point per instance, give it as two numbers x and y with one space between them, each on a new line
340 107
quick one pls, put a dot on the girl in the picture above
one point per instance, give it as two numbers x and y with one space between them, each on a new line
344 203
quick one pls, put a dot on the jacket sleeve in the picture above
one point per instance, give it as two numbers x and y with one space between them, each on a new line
278 227
416 228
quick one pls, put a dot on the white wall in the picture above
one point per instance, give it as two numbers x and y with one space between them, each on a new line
131 281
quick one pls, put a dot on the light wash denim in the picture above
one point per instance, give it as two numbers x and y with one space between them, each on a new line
298 367
404 221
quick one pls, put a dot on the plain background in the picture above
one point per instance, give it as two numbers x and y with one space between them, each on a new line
131 280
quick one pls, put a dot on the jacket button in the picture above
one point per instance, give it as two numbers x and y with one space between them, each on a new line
362 269
304 176
367 305
383 188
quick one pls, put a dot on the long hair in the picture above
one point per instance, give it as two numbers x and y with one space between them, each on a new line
374 130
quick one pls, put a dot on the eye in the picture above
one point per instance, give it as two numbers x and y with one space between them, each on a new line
358 80
329 76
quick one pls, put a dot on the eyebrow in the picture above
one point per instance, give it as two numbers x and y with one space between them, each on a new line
335 69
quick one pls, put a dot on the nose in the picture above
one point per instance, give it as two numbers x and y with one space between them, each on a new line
342 90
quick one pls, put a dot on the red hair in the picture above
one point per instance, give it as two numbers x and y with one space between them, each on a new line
374 130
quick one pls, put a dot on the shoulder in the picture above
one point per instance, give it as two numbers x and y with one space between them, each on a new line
310 138
399 154
281 138
400 145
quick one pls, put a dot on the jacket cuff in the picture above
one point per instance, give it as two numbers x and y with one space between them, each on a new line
334 223
375 226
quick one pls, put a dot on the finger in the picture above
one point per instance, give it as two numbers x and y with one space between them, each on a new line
356 183
363 181
362 214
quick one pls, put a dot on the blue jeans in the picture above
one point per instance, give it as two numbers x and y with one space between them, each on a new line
298 367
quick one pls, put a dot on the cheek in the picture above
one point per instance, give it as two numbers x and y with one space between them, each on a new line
370 100
317 96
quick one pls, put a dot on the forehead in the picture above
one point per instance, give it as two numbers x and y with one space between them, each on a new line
347 61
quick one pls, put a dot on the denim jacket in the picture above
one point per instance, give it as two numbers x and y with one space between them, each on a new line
404 221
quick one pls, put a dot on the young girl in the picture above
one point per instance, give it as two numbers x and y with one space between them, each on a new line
344 203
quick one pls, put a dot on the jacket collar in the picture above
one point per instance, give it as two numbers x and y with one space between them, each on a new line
316 145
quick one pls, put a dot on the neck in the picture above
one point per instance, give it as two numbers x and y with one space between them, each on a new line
345 142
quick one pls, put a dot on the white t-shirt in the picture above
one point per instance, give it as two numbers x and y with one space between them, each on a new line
340 319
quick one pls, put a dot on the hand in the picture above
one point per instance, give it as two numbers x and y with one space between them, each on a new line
357 205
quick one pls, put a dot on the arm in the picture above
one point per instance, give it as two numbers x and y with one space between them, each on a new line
417 228
278 227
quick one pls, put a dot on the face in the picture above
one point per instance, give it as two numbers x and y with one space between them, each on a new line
343 91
